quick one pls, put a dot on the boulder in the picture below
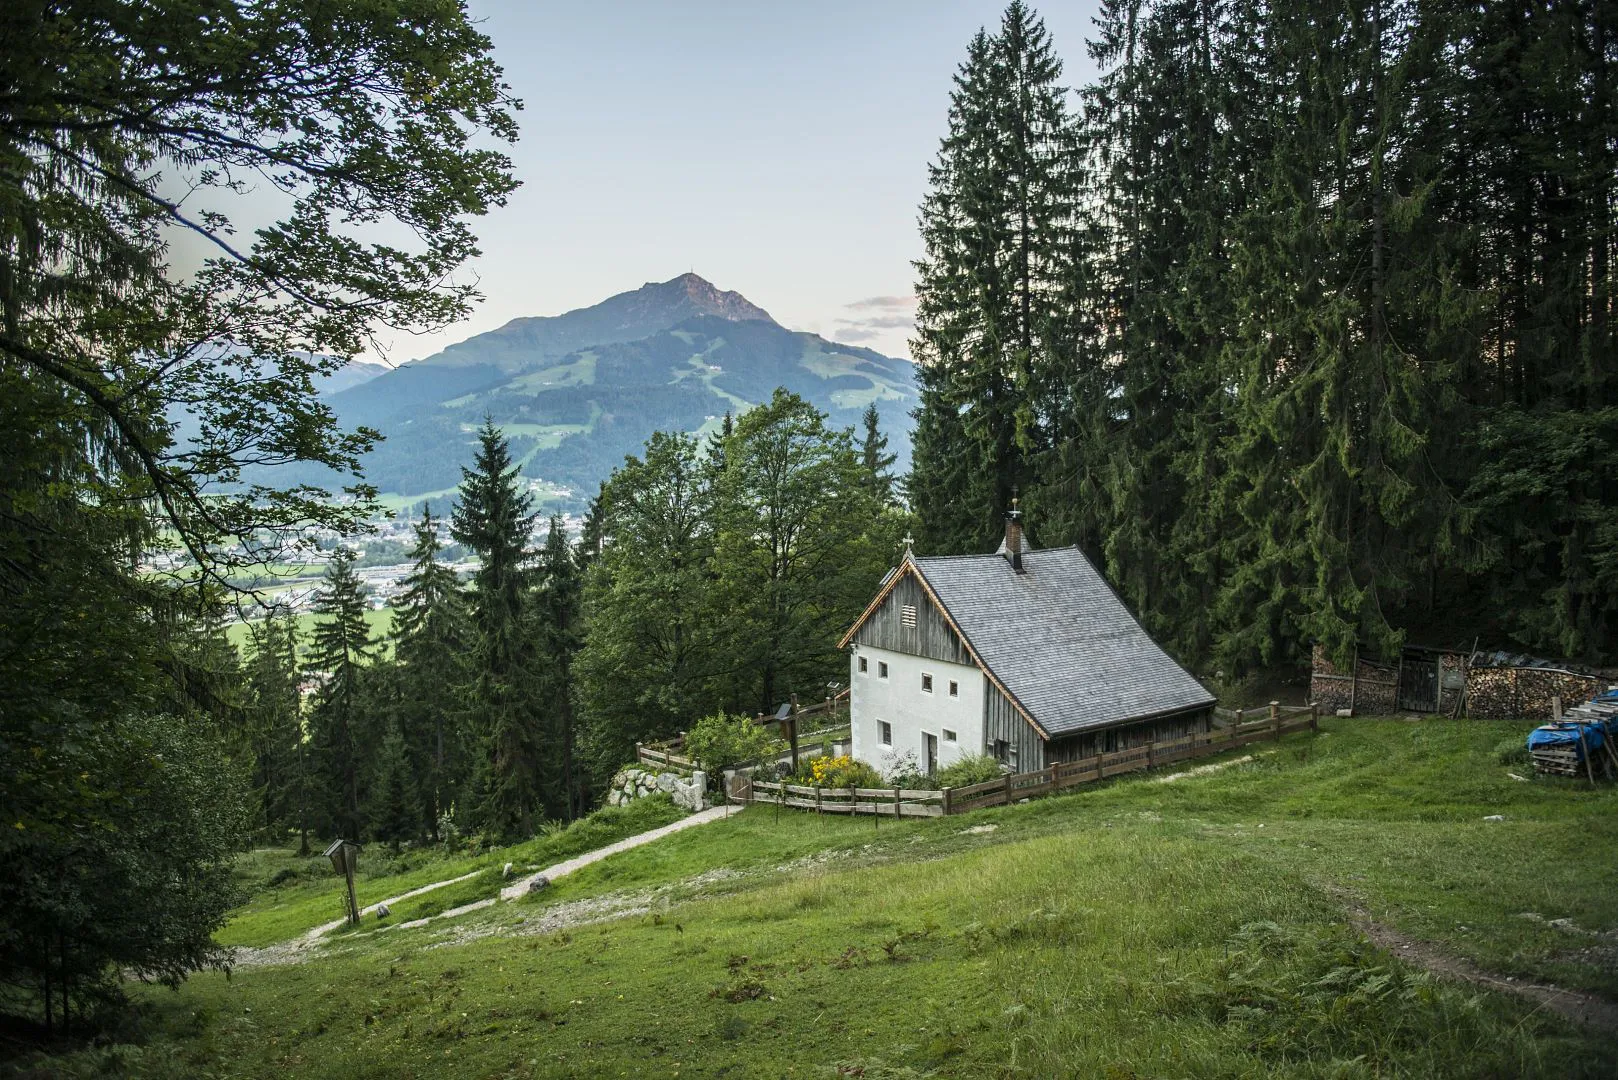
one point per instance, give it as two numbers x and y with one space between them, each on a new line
539 884
383 911
666 782
506 873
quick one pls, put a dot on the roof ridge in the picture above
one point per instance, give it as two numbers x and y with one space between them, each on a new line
996 554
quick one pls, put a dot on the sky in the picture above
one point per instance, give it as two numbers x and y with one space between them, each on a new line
776 149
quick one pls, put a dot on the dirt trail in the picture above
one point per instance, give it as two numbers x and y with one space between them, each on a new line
1575 1005
713 813
302 947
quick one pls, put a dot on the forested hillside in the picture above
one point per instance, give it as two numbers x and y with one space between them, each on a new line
1299 319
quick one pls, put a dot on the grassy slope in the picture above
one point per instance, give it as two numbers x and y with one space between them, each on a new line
315 894
1137 929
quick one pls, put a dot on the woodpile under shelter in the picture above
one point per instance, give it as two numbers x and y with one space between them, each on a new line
1454 682
1024 654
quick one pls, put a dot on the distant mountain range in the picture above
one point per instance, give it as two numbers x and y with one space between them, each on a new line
575 393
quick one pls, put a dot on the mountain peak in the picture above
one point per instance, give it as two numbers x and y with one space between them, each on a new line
707 298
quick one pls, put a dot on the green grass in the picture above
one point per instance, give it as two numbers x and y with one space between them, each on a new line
379 620
1134 929
310 893
394 500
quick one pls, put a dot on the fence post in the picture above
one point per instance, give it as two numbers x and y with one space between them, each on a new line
1149 755
896 803
1006 794
945 793
1099 757
1056 773
1314 716
1275 719
817 798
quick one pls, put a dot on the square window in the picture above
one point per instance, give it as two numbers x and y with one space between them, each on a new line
865 665
882 669
884 733
949 736
926 683
1002 751
954 688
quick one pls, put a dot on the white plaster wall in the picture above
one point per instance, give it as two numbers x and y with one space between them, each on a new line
900 700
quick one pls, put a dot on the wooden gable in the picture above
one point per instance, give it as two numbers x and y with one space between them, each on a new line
905 619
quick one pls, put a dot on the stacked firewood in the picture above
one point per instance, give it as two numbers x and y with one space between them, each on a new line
1507 693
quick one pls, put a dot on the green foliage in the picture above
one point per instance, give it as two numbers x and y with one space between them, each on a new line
728 577
993 325
799 540
344 725
144 889
431 634
974 769
1301 360
493 518
649 652
135 396
721 741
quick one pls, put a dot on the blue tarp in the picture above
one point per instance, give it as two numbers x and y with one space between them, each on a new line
1565 733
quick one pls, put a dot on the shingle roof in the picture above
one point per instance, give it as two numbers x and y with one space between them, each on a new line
1060 640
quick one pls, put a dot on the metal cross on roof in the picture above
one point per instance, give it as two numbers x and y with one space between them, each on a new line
909 542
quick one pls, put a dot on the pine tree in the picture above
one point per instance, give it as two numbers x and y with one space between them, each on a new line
558 616
396 806
875 458
341 731
493 518
272 731
993 328
431 634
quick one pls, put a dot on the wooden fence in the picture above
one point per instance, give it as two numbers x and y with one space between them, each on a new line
831 715
1014 787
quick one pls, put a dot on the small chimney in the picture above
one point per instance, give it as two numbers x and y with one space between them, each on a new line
1014 538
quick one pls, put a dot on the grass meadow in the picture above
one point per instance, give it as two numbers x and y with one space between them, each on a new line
1197 928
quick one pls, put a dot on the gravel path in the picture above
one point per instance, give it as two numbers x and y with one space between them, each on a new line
551 873
299 948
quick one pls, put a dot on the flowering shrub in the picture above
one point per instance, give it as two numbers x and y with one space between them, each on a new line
902 770
838 772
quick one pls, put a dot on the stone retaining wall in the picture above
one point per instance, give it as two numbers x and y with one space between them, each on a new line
637 783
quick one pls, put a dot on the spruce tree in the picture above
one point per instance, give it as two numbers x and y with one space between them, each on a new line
875 458
342 730
272 732
493 518
431 634
558 617
993 326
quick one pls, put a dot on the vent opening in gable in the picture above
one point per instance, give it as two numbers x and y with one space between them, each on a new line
907 615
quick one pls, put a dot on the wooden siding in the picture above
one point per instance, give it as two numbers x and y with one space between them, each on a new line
931 636
1001 720
1129 736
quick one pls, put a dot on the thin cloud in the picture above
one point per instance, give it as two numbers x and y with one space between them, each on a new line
882 303
854 335
882 322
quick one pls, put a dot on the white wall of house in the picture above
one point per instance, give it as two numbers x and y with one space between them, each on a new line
912 712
